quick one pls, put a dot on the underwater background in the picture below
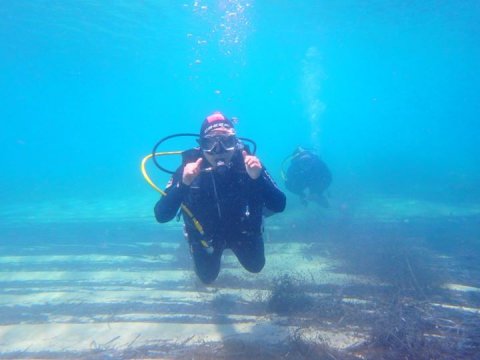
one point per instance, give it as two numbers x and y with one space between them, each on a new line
387 92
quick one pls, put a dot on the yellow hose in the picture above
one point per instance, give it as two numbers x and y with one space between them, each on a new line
198 226
144 171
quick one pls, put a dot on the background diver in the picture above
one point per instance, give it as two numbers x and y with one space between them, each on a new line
307 176
225 189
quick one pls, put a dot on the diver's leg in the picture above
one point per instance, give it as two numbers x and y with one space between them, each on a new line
206 265
320 199
206 261
250 251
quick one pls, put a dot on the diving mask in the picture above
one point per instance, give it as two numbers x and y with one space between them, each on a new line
217 144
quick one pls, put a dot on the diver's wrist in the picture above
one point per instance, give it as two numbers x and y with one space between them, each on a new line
260 180
182 186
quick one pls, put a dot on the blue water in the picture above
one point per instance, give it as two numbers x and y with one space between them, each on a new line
388 92
391 89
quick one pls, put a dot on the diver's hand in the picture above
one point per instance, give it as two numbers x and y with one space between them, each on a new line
252 164
191 171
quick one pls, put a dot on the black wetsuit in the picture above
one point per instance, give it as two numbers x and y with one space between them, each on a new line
229 207
307 171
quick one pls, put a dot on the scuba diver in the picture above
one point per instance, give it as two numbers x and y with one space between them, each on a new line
307 176
223 190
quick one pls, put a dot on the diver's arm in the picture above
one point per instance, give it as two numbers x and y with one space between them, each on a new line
167 207
294 187
275 199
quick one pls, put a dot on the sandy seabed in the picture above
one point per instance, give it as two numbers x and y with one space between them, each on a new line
337 285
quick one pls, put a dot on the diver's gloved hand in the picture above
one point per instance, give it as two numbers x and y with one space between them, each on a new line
252 164
191 171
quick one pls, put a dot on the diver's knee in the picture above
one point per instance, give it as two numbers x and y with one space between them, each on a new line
207 278
255 266
207 275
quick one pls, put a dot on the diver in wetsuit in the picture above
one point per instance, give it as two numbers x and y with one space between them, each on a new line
227 190
308 176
